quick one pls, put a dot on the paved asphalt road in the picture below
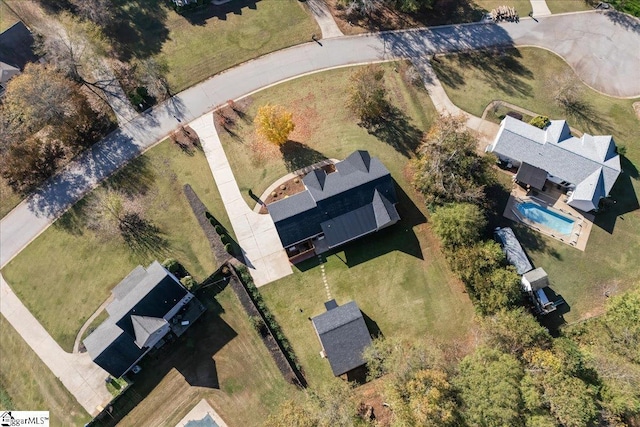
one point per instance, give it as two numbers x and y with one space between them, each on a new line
602 48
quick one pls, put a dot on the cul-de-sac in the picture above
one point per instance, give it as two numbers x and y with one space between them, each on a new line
320 213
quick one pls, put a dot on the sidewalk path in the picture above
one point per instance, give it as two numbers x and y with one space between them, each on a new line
320 12
486 130
257 236
84 379
539 8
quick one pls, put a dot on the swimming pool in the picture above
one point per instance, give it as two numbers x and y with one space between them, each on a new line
538 214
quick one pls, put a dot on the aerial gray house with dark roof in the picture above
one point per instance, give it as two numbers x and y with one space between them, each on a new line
15 52
357 199
587 167
147 305
343 335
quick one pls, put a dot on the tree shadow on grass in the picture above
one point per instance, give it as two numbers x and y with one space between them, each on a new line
442 12
395 129
586 117
500 67
135 179
200 15
297 155
142 237
622 199
138 29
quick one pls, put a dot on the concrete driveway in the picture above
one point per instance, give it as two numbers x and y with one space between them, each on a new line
83 378
602 47
257 236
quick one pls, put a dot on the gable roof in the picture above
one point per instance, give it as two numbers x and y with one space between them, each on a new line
344 336
7 71
513 250
560 154
144 327
360 222
141 301
328 197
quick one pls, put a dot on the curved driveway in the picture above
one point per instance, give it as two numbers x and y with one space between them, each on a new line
602 48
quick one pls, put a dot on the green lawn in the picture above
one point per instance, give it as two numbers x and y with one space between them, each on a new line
200 43
522 78
222 359
7 17
8 198
324 128
523 7
564 6
68 271
27 384
398 277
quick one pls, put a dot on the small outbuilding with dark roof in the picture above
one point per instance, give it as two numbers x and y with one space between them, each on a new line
357 199
343 335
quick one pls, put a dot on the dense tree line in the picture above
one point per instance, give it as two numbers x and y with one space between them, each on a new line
46 120
518 375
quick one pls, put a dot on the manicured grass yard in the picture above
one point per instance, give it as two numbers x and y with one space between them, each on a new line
202 42
30 385
523 7
612 258
68 271
564 6
8 198
398 276
7 17
221 358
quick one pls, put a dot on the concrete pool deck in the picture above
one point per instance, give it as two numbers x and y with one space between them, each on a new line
198 414
554 199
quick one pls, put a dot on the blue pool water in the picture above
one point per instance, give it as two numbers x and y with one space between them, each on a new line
549 219
207 421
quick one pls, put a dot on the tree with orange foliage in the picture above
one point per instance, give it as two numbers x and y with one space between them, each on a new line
274 123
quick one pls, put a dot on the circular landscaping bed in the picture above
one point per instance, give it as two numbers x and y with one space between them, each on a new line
289 188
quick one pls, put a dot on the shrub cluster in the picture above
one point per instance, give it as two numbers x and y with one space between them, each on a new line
269 318
225 239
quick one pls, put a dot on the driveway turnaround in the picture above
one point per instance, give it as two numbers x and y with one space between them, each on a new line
602 48
84 379
257 236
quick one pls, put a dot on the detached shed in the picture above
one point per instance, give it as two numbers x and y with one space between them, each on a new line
343 335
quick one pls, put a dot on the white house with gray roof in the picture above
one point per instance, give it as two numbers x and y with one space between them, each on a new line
587 167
